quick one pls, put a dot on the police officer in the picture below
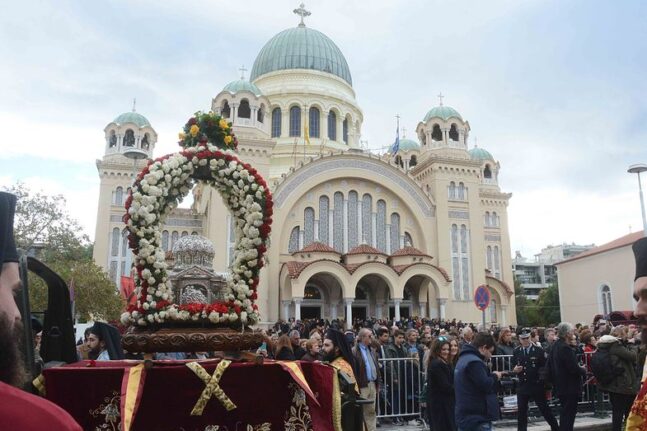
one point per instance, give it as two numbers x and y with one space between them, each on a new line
527 360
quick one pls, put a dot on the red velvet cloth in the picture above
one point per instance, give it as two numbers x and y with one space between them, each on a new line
262 393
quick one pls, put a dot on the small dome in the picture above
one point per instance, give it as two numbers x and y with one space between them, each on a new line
409 145
242 85
301 48
132 117
193 250
444 112
477 153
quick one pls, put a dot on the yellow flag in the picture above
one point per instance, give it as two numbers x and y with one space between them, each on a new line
306 129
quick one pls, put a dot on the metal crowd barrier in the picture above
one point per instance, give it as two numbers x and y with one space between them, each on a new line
401 391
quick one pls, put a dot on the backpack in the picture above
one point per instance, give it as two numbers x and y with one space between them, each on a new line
603 369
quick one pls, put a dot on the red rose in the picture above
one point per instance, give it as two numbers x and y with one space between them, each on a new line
192 121
253 296
261 249
237 309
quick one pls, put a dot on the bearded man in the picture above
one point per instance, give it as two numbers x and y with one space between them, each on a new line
18 410
637 420
338 353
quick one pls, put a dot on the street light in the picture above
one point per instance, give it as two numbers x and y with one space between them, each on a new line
637 169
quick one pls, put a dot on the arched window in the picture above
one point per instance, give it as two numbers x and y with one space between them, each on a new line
311 292
461 191
184 233
380 228
129 138
295 121
113 139
605 295
345 131
244 110
352 220
124 244
495 219
492 310
308 226
453 133
338 222
451 190
489 258
367 220
276 122
332 126
174 237
225 111
315 116
487 172
395 232
423 139
497 262
165 240
119 196
114 248
487 219
260 114
413 161
324 205
145 141
398 161
408 241
436 133
293 245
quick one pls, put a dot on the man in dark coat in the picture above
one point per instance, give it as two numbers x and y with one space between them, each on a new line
477 405
368 374
566 374
638 415
527 360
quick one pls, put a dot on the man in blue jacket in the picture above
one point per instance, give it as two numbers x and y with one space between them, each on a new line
475 385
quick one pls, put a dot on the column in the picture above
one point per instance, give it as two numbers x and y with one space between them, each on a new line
301 238
331 239
297 308
349 313
286 309
345 226
373 241
254 109
504 320
396 303
333 310
441 304
388 239
316 229
285 123
233 111
378 310
360 238
423 307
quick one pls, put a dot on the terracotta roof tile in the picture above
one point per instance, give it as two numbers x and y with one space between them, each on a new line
364 249
409 251
505 285
616 243
319 247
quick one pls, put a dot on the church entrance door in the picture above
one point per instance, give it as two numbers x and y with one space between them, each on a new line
311 312
359 312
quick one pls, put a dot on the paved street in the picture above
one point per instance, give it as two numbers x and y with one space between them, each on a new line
584 422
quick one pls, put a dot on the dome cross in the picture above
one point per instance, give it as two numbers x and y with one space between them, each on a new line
242 71
440 98
302 12
134 104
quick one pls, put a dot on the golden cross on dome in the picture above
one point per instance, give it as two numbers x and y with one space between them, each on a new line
302 12
404 132
242 71
440 98
134 104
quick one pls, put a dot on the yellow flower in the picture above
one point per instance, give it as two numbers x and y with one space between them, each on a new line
228 140
223 124
194 130
181 135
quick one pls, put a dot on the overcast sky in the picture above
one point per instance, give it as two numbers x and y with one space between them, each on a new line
555 90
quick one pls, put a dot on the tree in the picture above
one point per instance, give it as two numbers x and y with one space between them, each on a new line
548 303
43 227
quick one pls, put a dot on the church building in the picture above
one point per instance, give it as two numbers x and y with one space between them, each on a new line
409 233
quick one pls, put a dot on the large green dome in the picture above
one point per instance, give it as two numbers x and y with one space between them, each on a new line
477 153
444 112
409 145
242 85
301 48
132 117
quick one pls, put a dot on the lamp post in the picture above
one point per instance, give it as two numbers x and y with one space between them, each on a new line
637 169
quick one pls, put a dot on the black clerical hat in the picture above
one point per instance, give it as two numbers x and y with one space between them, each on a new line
640 253
8 252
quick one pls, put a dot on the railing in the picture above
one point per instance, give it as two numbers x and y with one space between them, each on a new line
401 391
401 387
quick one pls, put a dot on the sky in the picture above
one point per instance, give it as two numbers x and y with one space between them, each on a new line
555 90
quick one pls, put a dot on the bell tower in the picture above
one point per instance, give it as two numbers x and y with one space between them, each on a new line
129 143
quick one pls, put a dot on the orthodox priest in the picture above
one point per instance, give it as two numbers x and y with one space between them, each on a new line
637 420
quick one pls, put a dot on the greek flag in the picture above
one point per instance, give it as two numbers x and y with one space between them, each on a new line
396 145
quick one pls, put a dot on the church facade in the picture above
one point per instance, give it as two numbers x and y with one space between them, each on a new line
409 233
